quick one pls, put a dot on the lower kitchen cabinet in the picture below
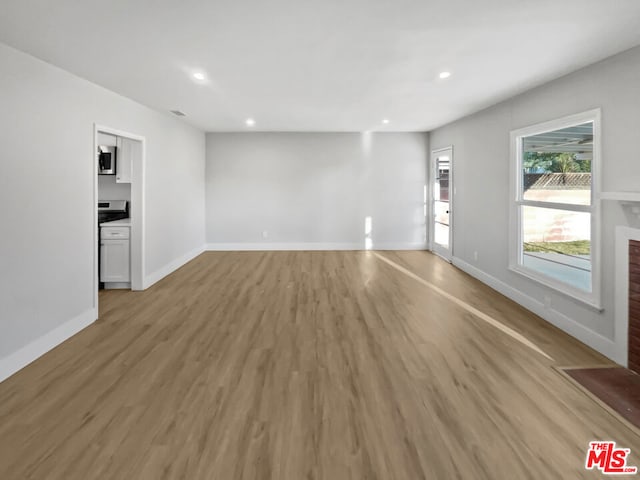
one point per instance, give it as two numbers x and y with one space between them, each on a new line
114 256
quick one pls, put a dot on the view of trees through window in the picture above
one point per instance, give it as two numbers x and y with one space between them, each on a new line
539 162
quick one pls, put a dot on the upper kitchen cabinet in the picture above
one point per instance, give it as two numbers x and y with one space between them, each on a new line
126 152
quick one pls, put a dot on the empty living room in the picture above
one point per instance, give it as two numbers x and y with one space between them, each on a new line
328 240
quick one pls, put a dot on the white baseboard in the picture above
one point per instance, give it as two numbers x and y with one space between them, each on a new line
224 247
171 267
602 344
34 350
399 246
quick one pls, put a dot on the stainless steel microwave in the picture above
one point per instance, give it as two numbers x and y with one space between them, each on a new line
106 160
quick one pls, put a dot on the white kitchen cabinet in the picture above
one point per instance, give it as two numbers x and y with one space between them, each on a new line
115 255
124 161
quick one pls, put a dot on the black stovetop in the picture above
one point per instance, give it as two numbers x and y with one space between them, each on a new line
111 216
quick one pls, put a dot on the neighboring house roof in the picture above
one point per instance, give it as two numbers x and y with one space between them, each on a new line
557 181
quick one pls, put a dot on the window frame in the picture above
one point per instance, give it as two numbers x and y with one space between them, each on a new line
517 201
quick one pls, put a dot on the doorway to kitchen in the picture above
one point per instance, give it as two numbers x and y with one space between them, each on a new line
441 212
126 183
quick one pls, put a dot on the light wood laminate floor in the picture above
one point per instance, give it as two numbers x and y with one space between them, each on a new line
305 365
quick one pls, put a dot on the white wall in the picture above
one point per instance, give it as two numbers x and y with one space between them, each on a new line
481 152
46 192
314 190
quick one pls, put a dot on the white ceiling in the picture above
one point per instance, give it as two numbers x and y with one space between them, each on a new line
322 65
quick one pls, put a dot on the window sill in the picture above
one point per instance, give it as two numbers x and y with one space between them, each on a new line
588 299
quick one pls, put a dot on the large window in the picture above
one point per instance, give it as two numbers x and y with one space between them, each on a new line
555 215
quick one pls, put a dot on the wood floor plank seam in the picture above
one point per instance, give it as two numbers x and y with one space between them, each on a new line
469 308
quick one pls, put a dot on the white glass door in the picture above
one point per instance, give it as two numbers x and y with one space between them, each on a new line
441 202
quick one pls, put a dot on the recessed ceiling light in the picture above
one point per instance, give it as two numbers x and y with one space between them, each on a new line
250 122
445 74
198 76
385 121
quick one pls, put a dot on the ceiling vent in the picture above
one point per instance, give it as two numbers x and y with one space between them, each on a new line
178 113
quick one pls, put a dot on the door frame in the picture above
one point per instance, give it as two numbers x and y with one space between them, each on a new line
137 212
448 254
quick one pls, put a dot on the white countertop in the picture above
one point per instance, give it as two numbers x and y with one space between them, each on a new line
125 222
